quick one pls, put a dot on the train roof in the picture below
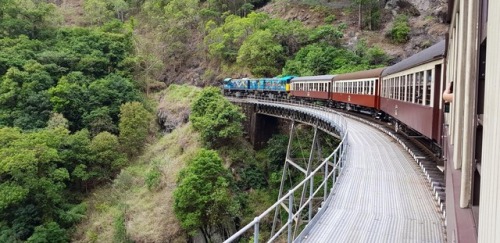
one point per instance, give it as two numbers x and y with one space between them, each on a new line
313 78
372 73
432 53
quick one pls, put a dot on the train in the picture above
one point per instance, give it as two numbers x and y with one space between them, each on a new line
407 94
410 94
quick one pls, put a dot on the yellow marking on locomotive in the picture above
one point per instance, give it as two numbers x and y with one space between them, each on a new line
287 87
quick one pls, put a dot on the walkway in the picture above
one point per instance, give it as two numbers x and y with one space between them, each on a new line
382 195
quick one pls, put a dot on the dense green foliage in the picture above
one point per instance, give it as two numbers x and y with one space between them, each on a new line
400 30
217 119
134 121
71 117
38 171
263 45
317 59
203 198
61 90
79 74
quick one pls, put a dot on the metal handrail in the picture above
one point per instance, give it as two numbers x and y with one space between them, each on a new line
337 157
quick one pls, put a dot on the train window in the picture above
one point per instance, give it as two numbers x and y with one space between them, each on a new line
417 87
398 87
420 87
386 88
409 82
401 89
428 85
390 88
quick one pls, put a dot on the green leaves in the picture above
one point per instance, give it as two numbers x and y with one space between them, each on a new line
203 198
215 118
134 127
260 52
400 30
11 194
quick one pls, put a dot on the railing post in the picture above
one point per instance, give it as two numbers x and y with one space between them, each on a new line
290 216
311 191
335 163
325 180
256 230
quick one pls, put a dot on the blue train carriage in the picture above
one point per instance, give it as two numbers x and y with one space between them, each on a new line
236 87
275 87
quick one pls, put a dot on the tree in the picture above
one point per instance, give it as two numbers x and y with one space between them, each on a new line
106 159
400 30
32 179
97 12
371 11
203 199
134 127
215 118
262 54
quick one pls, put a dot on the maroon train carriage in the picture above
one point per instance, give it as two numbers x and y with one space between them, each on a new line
357 91
311 87
411 91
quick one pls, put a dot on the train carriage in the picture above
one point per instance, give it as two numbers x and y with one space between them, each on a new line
311 87
236 87
410 91
359 90
264 87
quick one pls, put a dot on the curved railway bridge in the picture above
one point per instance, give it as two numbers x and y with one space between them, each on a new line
370 189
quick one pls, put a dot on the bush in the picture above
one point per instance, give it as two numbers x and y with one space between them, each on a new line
215 118
153 178
401 29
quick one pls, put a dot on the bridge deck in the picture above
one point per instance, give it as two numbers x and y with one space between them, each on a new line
381 197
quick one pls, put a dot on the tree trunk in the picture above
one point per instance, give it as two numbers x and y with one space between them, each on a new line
205 234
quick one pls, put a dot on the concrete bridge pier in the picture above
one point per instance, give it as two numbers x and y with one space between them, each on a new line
259 128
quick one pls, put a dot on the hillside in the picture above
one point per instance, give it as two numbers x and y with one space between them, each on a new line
101 120
190 60
180 54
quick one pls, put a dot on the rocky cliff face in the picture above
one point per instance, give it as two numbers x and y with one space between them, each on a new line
427 22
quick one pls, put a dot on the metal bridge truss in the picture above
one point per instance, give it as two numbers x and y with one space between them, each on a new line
304 202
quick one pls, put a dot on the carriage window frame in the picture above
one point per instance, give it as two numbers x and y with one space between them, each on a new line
428 87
